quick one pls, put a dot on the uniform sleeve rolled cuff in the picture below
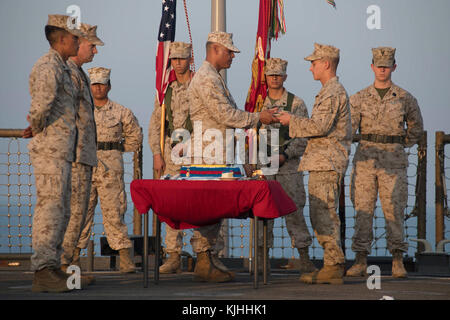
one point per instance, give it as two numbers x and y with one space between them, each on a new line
291 127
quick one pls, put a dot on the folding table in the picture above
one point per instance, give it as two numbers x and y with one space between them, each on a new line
186 204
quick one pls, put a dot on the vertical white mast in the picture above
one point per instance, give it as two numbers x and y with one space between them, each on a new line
219 23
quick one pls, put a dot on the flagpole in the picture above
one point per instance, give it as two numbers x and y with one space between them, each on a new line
166 35
157 175
219 23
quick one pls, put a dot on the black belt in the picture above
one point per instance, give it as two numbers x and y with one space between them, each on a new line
382 138
109 145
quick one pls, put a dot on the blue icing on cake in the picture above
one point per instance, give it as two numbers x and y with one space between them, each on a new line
209 171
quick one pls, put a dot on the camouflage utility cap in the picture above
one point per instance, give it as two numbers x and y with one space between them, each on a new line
64 22
99 75
276 66
323 51
383 56
91 34
223 38
180 50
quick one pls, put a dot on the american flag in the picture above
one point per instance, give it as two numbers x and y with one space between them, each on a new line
166 35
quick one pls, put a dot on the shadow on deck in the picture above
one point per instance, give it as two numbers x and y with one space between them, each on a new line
283 285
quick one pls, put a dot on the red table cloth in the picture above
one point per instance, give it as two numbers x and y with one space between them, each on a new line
186 204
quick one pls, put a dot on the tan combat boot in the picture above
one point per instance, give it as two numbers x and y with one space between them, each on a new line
398 269
172 265
306 265
85 280
205 270
126 265
359 268
49 280
219 265
328 274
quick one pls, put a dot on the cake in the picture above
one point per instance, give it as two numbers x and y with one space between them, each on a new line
209 171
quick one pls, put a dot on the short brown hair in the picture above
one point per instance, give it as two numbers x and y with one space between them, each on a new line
334 62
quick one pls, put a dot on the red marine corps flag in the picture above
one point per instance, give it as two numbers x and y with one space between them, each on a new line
271 22
269 26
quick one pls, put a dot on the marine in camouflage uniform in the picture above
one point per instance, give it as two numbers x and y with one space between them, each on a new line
52 123
290 150
117 131
388 119
176 118
178 115
213 107
326 158
86 153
